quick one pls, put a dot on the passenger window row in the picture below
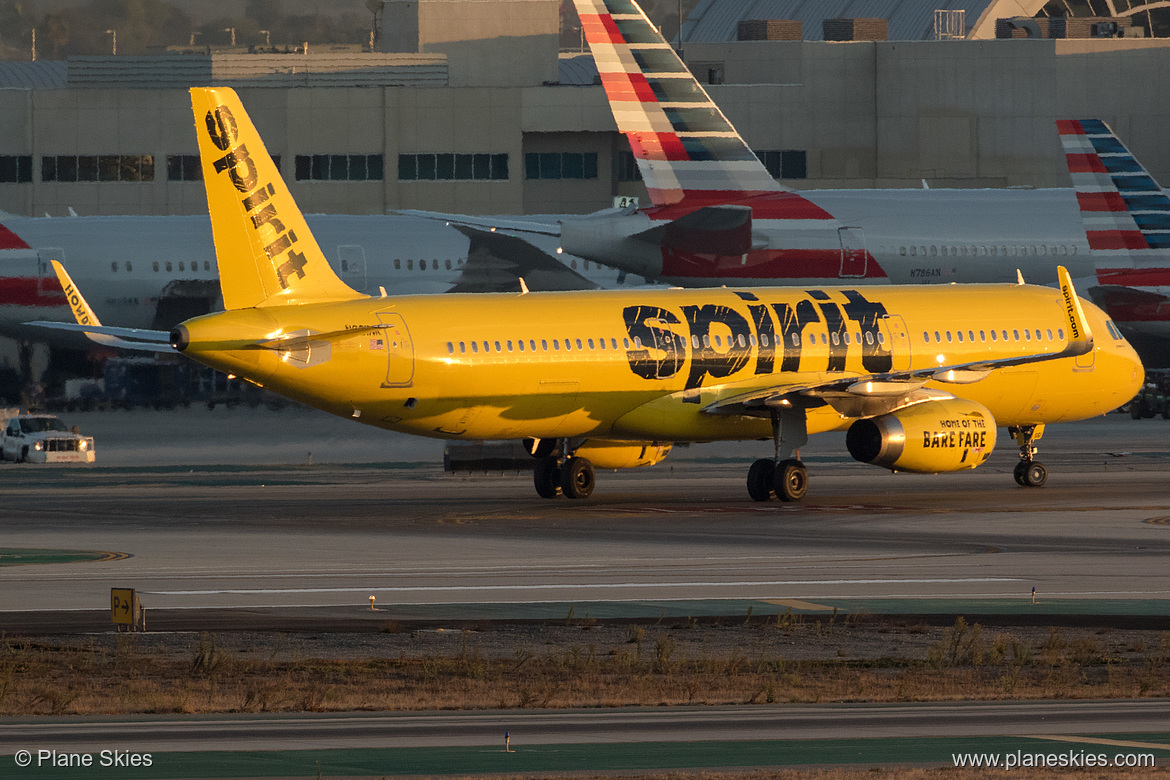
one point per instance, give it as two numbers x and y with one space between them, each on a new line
982 250
530 346
422 264
170 266
1001 335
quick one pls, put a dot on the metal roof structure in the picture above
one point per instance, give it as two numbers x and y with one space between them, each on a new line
42 74
577 70
715 21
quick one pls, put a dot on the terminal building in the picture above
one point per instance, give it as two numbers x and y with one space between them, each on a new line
472 107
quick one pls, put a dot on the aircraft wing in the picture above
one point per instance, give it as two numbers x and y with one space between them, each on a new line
513 225
867 395
496 262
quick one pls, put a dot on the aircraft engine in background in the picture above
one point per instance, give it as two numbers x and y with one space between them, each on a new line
930 437
622 454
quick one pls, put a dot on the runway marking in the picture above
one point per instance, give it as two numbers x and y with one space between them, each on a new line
1163 520
1098 741
798 604
20 556
579 585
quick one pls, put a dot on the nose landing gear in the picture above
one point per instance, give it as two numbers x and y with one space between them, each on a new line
1028 472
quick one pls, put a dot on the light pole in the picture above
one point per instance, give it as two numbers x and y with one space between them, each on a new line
267 37
114 40
231 30
194 34
34 44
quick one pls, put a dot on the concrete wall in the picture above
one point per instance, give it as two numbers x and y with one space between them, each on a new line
510 43
967 113
957 113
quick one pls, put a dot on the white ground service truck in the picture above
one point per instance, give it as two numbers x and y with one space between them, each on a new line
42 438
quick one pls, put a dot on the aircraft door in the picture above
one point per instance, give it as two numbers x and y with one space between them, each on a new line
671 358
1085 362
853 254
399 350
899 336
351 266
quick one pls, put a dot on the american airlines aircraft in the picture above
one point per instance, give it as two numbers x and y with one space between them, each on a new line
147 271
717 217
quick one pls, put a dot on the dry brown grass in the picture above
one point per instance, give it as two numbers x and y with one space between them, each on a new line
967 663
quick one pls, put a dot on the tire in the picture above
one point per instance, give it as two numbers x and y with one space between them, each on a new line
759 480
791 480
1036 474
577 478
1135 410
547 478
23 455
540 448
1019 471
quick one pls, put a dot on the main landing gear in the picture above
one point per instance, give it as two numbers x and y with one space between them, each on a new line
556 474
785 478
1028 472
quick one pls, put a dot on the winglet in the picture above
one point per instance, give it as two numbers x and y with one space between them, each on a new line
1080 338
81 309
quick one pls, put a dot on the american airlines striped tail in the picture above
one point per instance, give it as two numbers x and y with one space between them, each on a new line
1124 210
684 146
1127 222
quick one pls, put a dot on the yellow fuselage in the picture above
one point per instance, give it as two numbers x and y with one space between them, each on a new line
643 364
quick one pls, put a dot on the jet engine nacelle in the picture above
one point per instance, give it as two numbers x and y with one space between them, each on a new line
927 438
622 454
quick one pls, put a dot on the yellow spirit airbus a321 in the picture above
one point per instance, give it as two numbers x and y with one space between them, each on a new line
920 377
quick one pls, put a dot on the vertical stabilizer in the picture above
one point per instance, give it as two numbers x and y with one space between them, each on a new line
265 252
684 145
1124 210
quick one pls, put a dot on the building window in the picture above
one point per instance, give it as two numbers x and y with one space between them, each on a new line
627 167
560 165
337 167
452 167
785 163
16 169
184 167
106 167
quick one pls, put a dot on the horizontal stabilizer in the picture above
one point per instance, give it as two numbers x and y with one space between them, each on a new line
512 225
497 261
89 324
301 341
119 338
712 230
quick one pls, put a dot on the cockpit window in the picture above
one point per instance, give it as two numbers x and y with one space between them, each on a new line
1113 331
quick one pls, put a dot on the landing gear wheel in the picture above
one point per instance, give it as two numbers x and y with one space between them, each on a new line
791 480
547 477
1035 475
759 480
1018 472
577 479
